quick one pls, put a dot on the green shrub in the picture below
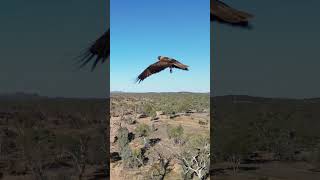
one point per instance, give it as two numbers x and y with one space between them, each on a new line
184 105
149 110
132 158
125 155
143 130
137 157
123 139
175 133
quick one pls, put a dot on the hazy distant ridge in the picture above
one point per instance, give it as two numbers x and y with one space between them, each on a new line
20 95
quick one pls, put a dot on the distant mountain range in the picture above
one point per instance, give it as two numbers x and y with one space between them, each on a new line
248 99
20 95
35 96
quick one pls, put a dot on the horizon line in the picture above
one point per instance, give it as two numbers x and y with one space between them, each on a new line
159 91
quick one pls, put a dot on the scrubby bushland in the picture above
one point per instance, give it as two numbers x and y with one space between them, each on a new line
281 129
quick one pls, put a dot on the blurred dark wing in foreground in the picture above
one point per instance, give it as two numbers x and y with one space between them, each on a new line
223 13
99 51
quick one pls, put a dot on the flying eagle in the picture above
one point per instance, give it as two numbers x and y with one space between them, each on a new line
223 13
99 51
163 63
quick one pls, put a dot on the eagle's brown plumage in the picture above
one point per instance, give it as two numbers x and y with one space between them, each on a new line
163 63
223 13
99 51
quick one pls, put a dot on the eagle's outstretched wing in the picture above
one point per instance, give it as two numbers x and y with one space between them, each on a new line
152 69
179 65
223 13
99 51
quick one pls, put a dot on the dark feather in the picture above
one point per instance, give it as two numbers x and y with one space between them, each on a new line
100 49
223 13
152 69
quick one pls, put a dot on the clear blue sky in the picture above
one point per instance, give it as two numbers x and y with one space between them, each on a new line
141 30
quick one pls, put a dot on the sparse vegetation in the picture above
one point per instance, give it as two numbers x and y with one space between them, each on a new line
251 133
154 150
40 136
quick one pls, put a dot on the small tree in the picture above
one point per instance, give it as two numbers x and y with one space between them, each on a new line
137 157
150 110
33 144
125 155
184 105
123 139
159 169
195 158
79 154
131 157
315 157
175 133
